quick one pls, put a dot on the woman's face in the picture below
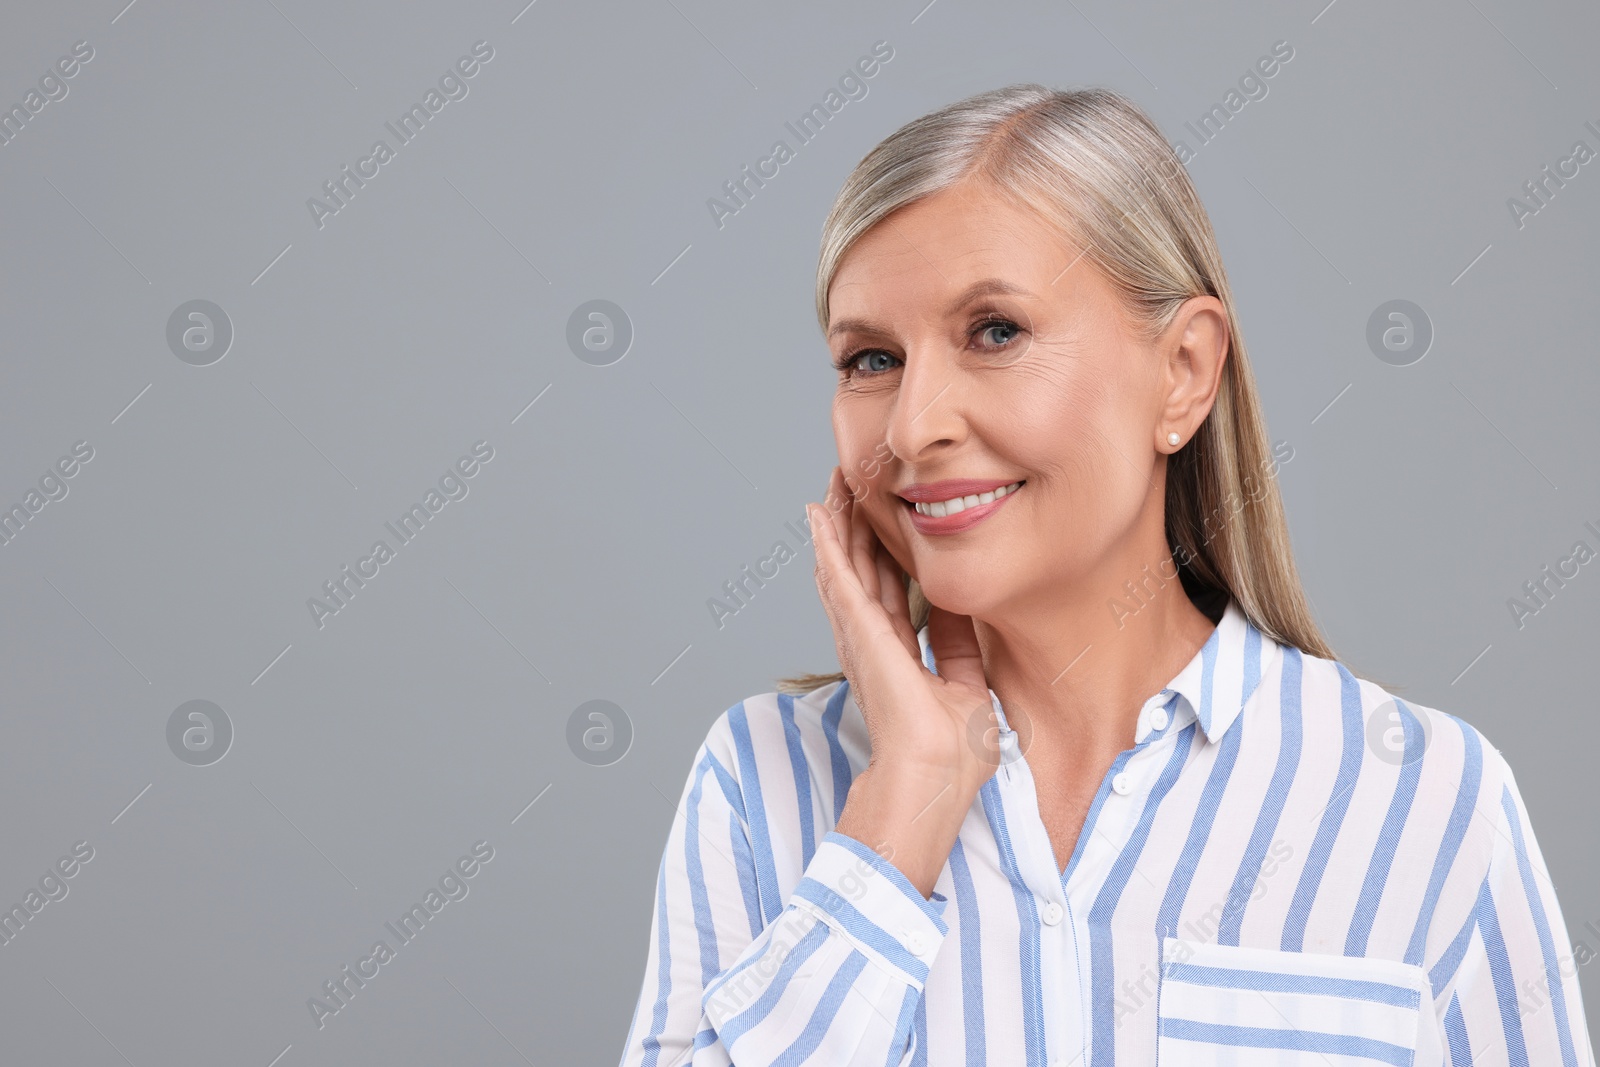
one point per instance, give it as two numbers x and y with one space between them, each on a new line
982 347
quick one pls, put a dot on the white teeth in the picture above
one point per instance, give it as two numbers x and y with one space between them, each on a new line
956 505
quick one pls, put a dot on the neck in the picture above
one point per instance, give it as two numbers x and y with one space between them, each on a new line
1076 666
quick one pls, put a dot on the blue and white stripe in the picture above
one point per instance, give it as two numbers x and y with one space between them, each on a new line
1273 888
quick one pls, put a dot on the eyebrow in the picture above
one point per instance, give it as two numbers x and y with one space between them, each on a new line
985 287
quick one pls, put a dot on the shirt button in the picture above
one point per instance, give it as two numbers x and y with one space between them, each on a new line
1121 784
1051 914
916 943
1158 719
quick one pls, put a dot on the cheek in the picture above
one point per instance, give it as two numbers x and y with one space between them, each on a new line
1084 441
858 429
848 420
864 459
1054 423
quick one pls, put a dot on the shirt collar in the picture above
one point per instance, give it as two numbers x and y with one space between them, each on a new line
1222 677
1217 683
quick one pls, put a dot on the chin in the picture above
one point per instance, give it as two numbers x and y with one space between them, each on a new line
965 593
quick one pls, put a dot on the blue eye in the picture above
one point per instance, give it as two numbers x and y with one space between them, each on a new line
1009 329
992 333
850 362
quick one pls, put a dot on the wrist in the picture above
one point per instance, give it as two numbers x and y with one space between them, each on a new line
908 815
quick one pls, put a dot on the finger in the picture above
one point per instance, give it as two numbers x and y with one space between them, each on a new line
827 578
837 504
861 632
955 647
860 623
851 525
863 548
892 595
836 580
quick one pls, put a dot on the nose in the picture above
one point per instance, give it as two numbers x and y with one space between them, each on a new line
927 407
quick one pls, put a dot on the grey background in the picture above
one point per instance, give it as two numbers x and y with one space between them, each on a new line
370 354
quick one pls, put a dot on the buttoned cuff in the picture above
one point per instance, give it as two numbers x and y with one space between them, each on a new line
870 901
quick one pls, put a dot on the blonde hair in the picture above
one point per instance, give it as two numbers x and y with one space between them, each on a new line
1093 163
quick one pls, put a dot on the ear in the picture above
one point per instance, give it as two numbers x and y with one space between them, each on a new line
1195 346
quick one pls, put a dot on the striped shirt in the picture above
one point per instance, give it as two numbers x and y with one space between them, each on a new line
1288 866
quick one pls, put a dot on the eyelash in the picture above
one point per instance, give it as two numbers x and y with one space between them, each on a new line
846 362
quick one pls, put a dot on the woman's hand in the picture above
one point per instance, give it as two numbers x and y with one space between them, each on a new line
931 733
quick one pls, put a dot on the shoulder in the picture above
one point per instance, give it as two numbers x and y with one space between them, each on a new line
771 737
1419 738
1403 755
1394 728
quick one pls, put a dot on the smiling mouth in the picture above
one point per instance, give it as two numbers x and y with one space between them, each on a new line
955 505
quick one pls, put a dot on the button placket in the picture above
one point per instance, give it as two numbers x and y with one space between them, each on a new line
1060 971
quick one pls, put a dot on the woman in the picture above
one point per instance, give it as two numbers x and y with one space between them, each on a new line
1091 788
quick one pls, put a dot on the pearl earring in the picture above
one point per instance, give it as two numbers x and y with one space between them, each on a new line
1173 438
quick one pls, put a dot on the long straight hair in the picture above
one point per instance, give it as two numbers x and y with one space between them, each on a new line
1093 163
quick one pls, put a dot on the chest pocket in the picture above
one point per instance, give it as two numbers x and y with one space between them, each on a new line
1223 1004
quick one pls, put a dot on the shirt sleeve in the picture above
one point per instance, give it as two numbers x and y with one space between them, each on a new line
832 977
1515 996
